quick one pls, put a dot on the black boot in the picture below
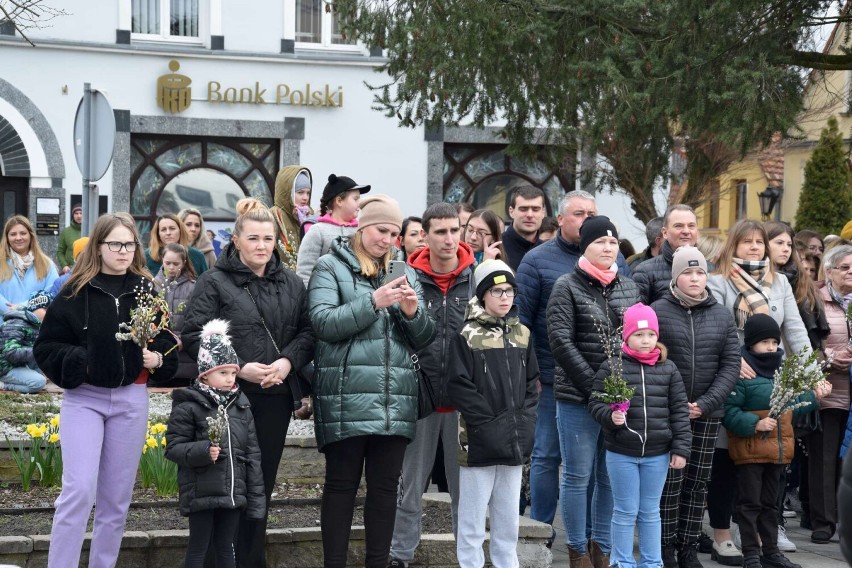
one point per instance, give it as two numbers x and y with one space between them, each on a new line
687 557
669 556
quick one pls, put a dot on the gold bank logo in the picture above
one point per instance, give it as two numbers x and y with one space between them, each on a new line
173 91
175 95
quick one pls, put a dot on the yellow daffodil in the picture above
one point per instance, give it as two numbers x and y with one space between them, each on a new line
35 430
152 443
53 438
163 441
158 428
54 422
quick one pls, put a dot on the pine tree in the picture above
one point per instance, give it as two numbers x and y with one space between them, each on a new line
825 204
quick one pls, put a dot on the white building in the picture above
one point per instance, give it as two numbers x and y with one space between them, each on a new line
210 99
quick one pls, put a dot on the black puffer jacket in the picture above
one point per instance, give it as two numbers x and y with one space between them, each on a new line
658 417
448 313
234 481
576 318
493 381
653 276
702 342
76 343
223 292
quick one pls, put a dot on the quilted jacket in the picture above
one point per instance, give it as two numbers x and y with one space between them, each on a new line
364 382
702 343
536 275
578 324
658 417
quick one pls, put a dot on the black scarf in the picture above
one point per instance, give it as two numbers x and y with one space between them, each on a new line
764 364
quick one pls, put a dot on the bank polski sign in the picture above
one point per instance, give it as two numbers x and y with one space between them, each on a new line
174 93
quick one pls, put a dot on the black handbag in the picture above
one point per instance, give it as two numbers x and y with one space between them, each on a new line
808 424
425 393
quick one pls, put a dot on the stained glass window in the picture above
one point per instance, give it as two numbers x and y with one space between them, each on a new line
209 175
484 175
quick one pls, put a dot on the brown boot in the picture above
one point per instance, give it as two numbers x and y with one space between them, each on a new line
579 559
599 559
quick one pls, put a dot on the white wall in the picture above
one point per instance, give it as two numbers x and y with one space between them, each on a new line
353 140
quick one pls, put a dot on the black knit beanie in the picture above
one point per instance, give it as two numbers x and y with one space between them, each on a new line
594 228
760 327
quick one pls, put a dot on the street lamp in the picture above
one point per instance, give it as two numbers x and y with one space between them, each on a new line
768 199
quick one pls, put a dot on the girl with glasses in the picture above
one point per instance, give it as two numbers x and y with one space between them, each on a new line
104 412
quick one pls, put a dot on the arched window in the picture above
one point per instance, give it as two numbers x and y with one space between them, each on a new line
485 176
210 175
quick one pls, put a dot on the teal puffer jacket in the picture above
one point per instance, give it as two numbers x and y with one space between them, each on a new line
364 382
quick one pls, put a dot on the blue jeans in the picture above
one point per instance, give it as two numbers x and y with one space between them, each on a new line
544 469
583 468
24 379
637 485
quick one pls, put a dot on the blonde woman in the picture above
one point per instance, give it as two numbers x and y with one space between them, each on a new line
24 268
365 387
167 229
194 223
267 307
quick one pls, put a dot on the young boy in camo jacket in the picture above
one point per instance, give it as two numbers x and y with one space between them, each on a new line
493 382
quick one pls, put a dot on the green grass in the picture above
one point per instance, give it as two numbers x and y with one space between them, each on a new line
20 410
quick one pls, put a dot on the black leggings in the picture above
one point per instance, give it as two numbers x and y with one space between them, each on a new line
381 457
214 528
271 413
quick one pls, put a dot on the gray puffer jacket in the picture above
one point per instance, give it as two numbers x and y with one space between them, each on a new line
234 481
702 342
579 313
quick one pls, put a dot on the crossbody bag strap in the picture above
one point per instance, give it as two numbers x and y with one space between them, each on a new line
262 321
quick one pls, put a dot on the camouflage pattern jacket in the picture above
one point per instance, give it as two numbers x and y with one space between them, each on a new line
493 382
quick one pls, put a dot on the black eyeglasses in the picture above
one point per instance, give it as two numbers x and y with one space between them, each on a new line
497 292
116 246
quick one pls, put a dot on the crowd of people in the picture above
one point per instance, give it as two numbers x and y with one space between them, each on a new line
515 325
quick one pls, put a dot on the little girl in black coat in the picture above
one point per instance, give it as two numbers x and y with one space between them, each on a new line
211 437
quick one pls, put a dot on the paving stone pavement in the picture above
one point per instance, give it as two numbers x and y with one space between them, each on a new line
808 555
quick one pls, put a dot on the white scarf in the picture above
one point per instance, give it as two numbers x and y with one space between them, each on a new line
21 263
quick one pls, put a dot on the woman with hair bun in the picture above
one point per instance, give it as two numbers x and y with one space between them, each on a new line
267 307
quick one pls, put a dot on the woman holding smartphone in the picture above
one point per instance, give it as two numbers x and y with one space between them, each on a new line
365 387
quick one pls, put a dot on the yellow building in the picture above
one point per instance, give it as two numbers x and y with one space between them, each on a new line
782 164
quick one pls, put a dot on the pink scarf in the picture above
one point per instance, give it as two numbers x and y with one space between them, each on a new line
327 218
649 358
605 277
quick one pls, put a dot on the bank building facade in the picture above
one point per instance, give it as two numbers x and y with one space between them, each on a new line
211 99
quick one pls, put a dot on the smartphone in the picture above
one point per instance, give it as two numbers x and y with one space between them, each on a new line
395 270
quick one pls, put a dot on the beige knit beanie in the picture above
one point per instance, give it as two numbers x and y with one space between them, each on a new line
378 209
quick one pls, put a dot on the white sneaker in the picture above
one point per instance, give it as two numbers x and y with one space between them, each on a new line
784 543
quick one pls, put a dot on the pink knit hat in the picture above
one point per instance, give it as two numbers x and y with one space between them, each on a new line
638 317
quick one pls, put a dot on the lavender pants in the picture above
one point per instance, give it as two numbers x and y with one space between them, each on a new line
102 432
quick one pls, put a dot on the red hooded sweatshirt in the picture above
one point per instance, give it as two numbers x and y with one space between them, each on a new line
419 259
